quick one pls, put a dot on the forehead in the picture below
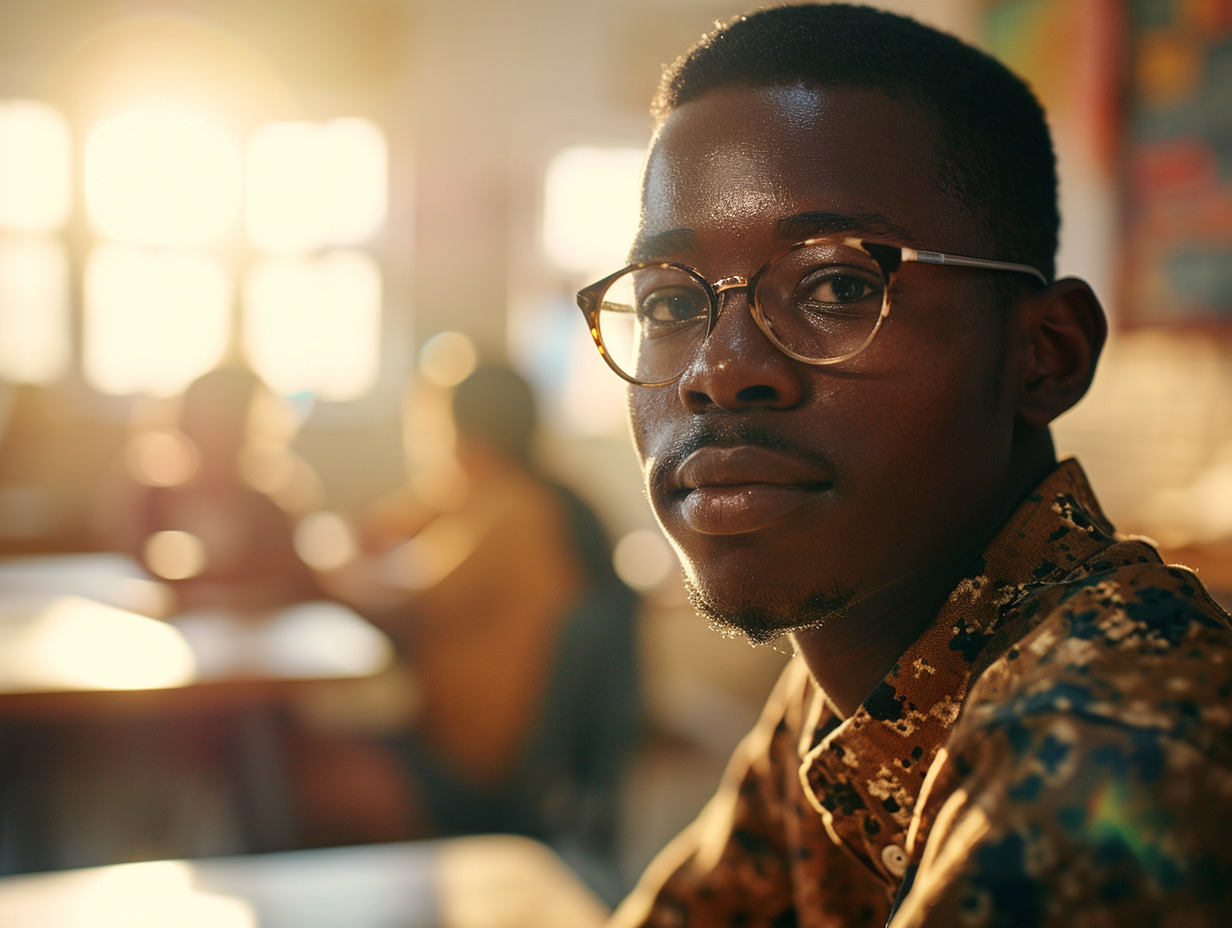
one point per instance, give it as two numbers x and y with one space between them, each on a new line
738 163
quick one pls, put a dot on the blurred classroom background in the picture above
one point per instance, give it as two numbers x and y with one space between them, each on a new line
360 200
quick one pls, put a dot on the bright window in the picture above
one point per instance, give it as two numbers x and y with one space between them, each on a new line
589 218
590 207
35 167
313 323
180 210
34 309
158 176
315 184
154 318
35 201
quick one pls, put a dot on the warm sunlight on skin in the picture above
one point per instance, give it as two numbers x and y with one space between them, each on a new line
315 184
314 324
158 175
35 170
78 644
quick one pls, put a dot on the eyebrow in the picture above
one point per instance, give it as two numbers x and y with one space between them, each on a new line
827 222
647 247
795 228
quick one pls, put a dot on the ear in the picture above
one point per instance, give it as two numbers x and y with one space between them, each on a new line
1065 329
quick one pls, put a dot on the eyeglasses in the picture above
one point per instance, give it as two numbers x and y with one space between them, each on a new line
821 301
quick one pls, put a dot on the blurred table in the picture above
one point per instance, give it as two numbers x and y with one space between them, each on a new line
483 882
124 736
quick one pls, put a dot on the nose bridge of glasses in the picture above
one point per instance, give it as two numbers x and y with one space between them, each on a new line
727 285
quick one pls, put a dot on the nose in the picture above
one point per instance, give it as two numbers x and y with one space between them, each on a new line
737 367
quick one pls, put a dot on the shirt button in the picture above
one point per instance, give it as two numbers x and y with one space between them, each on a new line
895 859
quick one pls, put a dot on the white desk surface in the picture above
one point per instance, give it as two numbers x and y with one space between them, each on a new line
482 882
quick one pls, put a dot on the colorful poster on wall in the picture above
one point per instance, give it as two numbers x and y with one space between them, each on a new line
1071 53
1139 95
1178 164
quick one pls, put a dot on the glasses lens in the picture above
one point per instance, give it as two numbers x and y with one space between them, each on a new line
651 321
822 301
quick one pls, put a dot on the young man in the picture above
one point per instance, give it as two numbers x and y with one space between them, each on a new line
845 345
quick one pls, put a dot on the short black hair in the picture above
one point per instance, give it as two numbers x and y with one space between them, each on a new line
997 157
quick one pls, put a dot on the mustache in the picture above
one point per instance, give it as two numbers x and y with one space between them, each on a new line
731 434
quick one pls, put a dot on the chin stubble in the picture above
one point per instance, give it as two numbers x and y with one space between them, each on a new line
761 623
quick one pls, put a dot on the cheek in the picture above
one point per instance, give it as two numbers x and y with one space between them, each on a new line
947 359
654 426
940 454
645 425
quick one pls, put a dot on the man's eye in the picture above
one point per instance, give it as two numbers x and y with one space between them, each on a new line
837 286
672 305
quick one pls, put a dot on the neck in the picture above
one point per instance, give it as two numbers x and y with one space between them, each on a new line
848 657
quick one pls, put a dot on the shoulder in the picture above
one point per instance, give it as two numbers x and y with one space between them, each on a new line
1128 641
1090 769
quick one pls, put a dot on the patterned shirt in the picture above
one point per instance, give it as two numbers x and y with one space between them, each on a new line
1053 751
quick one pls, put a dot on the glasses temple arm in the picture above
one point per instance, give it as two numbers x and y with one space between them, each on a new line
936 257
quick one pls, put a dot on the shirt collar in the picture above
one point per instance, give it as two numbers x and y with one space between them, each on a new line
864 774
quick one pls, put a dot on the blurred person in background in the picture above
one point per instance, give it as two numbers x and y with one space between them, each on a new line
209 507
28 510
501 596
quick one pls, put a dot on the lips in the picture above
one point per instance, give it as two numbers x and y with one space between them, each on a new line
743 488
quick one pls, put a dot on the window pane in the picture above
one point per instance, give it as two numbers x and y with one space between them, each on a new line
154 320
313 324
35 166
315 184
34 310
162 177
590 207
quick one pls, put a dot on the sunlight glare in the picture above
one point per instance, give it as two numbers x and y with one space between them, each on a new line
161 176
77 643
591 200
314 324
35 166
153 320
155 894
34 310
315 184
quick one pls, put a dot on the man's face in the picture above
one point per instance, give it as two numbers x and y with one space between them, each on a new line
791 490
